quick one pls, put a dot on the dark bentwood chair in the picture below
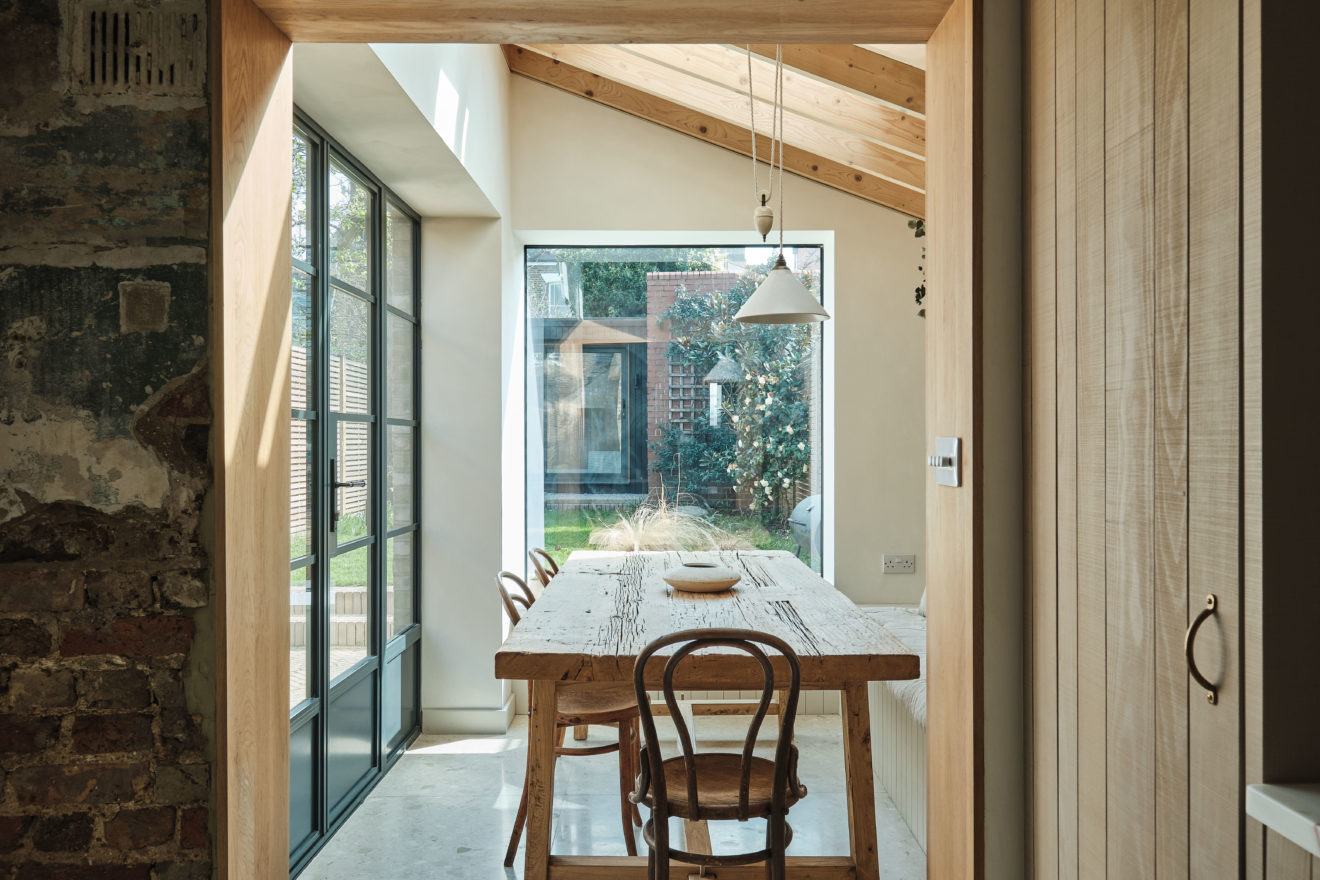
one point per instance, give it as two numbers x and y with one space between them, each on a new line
581 704
697 786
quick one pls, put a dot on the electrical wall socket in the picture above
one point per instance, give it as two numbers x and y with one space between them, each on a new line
900 564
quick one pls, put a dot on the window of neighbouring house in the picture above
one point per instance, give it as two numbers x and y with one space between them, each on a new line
656 421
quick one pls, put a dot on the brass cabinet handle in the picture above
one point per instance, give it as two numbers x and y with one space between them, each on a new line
1189 648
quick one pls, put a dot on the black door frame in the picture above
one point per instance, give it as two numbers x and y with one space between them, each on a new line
315 710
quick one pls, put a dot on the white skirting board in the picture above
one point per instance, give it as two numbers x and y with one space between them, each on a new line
898 752
468 721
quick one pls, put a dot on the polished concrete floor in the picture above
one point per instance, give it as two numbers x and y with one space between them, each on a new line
447 807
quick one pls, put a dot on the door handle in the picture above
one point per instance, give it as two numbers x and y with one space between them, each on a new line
1189 648
335 485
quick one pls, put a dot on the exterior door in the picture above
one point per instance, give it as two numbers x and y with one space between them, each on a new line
355 636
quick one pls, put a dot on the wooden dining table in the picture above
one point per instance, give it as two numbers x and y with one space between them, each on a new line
604 607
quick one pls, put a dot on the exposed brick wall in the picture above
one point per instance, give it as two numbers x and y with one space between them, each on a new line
106 682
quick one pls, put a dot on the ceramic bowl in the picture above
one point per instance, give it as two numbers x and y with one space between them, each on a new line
701 577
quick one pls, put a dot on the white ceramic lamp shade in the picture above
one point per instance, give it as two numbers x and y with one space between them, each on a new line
781 299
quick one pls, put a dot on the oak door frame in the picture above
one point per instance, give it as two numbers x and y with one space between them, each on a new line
251 187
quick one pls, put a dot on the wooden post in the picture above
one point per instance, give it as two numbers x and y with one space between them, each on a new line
540 779
860 781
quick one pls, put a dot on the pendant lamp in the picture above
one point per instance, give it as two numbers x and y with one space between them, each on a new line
781 298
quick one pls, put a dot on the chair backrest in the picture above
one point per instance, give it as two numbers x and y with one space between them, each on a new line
524 597
749 642
544 572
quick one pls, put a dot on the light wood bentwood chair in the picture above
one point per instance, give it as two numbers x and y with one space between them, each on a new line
710 785
545 566
581 704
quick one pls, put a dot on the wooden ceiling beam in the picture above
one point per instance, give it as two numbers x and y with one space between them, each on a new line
859 69
710 129
730 106
808 96
605 21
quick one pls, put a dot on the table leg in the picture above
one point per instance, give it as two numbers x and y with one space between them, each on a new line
861 781
541 738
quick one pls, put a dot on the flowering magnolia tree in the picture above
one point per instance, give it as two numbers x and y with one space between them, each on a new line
768 413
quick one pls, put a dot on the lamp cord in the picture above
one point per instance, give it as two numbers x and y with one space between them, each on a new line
779 114
776 139
756 176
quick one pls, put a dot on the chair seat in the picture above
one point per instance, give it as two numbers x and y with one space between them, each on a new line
582 703
718 780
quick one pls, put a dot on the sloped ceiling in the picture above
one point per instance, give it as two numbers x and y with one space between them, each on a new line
853 119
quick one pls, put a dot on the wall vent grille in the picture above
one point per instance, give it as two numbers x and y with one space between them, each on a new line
139 49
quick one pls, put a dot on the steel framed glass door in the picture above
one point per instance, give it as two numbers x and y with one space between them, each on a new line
355 638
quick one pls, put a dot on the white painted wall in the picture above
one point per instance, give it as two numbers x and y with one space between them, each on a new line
580 166
471 380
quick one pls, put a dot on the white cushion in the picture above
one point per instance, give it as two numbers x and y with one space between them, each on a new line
907 625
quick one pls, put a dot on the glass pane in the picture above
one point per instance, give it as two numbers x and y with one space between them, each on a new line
584 411
399 259
300 635
353 465
349 207
399 571
669 398
350 353
399 368
300 488
301 220
300 369
399 494
350 611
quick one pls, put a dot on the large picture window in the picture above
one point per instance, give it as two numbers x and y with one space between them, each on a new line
656 421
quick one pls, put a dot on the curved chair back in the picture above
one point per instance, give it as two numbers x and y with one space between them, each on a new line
749 642
545 566
512 601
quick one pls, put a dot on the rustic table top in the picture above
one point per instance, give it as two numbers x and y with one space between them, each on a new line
604 607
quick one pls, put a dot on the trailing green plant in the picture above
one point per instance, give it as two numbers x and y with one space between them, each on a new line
919 231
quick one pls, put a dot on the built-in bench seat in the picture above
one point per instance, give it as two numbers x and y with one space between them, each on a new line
898 721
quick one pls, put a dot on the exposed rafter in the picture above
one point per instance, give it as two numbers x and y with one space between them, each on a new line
710 128
859 69
825 137
820 100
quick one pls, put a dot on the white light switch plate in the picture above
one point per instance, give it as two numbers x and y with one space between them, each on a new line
895 564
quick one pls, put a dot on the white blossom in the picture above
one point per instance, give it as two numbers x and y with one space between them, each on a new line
802 446
788 429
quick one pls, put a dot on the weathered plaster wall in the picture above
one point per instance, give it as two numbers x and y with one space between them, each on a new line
106 690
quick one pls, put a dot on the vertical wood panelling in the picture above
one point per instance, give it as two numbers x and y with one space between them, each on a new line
1065 334
1252 440
1091 635
1153 246
1285 860
1130 434
1214 435
1039 144
1170 460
